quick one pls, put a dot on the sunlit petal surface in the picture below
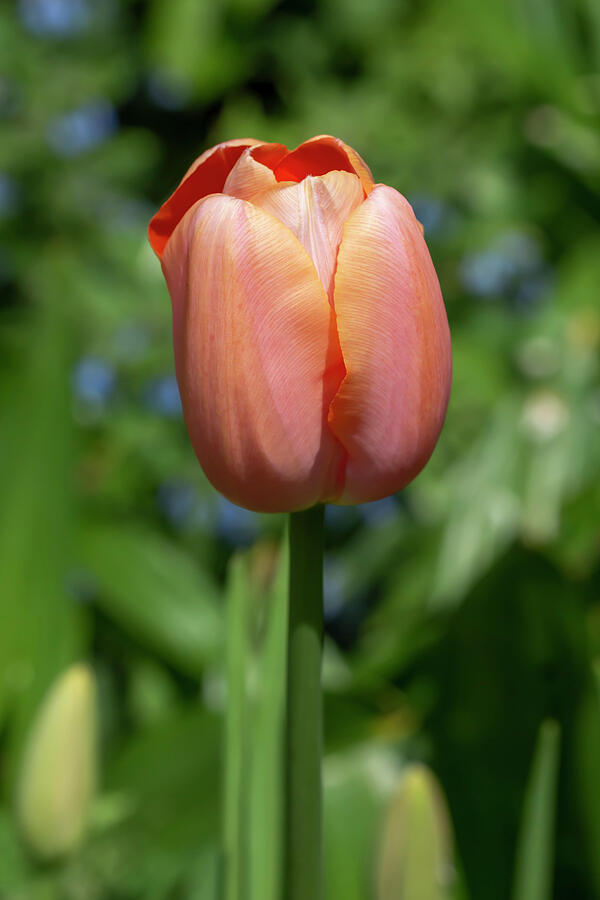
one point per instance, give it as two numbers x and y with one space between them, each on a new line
315 210
395 342
256 355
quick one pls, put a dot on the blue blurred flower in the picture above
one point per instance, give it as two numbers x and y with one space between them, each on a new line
502 268
532 289
9 195
430 211
486 274
239 526
55 18
162 396
166 89
94 381
179 502
81 585
130 341
340 518
82 129
11 97
176 499
334 587
116 210
378 511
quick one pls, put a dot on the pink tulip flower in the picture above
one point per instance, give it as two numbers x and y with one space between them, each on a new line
311 342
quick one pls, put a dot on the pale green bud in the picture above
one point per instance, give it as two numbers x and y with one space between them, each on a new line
59 766
415 852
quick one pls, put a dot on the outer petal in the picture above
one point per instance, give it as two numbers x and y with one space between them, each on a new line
320 155
256 356
315 210
395 342
360 167
205 176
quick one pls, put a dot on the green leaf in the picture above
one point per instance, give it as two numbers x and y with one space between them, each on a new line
155 593
41 629
166 783
358 785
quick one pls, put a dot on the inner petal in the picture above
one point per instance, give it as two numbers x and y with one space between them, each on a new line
253 172
315 210
207 175
315 157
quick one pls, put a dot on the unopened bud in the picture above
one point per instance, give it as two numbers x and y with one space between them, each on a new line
415 854
58 772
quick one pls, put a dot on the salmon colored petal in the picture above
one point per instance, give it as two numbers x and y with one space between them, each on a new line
320 155
359 166
236 142
315 210
269 154
256 356
253 172
395 342
205 176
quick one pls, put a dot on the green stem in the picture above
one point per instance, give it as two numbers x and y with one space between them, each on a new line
303 876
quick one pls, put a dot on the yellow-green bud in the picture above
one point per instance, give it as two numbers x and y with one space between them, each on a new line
59 766
415 853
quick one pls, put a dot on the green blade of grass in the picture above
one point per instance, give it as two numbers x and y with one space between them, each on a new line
235 782
266 776
535 848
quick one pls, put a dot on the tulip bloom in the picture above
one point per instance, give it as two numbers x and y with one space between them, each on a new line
312 348
58 774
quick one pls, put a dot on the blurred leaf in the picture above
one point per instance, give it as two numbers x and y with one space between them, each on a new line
168 780
483 509
41 625
358 785
156 593
535 850
14 867
191 51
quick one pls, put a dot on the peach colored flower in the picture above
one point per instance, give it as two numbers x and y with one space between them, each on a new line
312 348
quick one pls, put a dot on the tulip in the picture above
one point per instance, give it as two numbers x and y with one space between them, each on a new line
415 858
311 342
58 773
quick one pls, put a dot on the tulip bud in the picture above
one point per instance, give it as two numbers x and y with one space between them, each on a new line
58 774
311 342
415 855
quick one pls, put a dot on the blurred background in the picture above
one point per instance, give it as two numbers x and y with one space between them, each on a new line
461 615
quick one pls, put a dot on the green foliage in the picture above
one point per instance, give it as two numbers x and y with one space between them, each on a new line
460 615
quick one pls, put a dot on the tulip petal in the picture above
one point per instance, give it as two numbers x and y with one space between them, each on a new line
395 342
315 210
360 167
205 176
320 155
253 172
256 354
